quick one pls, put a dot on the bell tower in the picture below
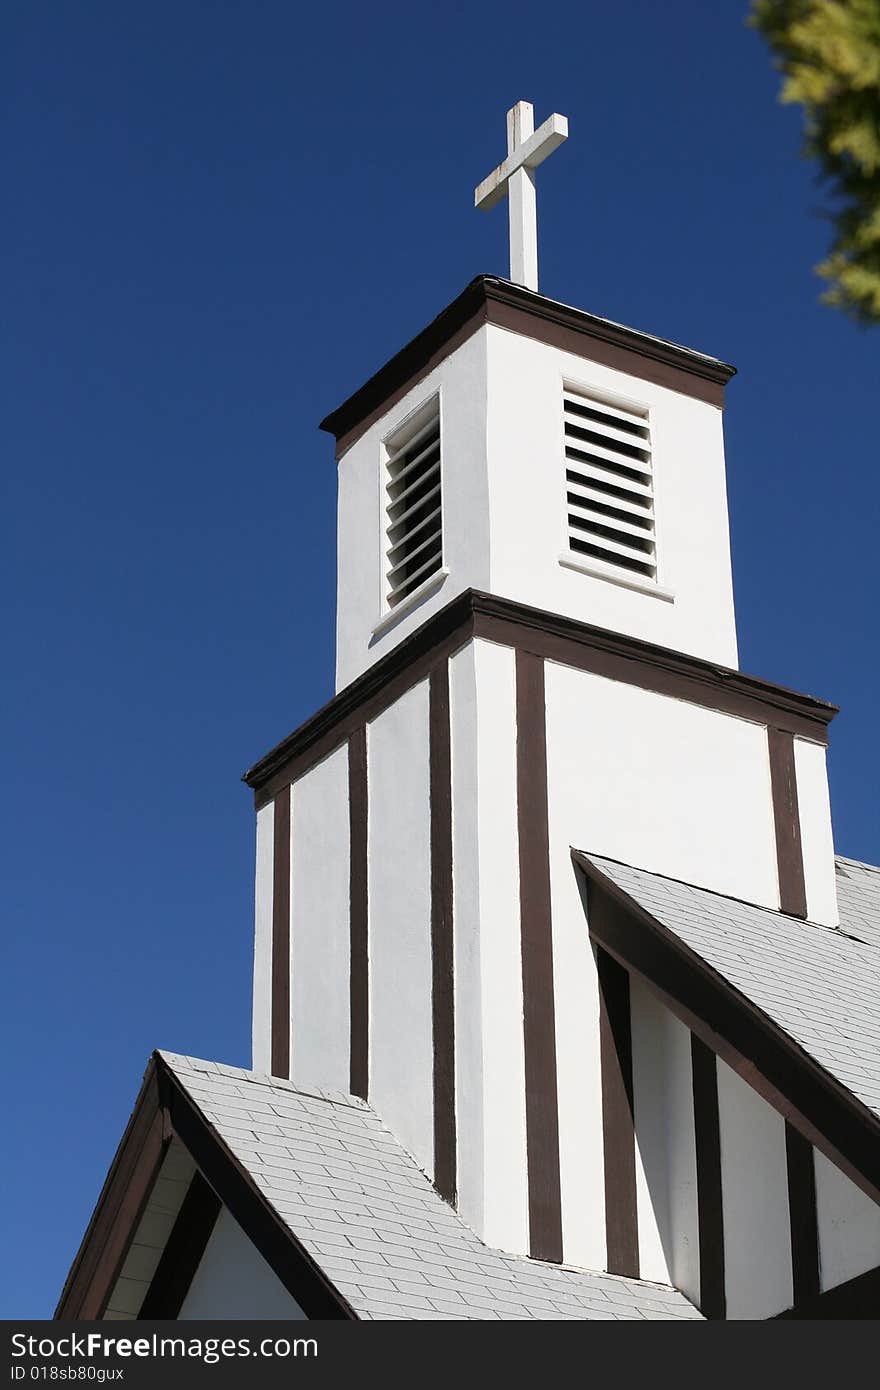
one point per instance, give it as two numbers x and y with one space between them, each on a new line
533 451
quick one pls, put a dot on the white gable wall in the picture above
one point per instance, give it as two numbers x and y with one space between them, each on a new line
758 1275
234 1281
666 1167
849 1226
757 1232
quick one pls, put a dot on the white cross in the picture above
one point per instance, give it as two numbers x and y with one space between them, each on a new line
526 149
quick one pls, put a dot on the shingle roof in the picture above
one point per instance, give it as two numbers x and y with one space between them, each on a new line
372 1220
858 898
819 984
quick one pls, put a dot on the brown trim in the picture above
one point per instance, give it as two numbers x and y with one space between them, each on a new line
755 1047
303 1278
164 1109
359 968
488 299
281 936
118 1210
552 637
618 1127
802 1215
710 1213
642 664
383 390
539 1023
443 986
183 1251
858 1298
786 819
610 344
365 698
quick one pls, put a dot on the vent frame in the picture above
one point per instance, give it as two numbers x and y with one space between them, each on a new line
413 515
614 472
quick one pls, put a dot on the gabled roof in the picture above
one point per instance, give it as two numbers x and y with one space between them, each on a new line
795 1004
818 983
858 898
368 1216
342 1214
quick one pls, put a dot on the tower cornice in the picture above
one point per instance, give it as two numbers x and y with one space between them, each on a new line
489 299
555 638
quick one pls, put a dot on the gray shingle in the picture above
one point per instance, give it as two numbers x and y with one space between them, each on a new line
819 984
389 1242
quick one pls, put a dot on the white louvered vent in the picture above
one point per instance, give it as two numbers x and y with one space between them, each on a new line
414 531
609 484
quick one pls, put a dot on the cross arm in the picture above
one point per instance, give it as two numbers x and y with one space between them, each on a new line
530 154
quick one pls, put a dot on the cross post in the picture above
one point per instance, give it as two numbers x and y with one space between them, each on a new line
526 149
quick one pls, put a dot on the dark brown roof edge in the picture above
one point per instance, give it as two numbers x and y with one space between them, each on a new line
164 1107
475 306
565 639
825 1111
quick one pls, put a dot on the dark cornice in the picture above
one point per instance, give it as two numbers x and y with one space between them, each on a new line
488 299
554 637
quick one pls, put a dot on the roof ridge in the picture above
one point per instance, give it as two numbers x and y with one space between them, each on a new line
859 863
211 1068
844 933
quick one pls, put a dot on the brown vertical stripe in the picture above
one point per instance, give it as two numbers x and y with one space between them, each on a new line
802 1215
539 1023
618 1132
789 854
707 1133
359 976
183 1251
281 937
441 935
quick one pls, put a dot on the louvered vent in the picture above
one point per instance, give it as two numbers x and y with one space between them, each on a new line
414 531
609 484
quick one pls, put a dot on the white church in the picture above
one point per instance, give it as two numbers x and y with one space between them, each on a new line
563 1005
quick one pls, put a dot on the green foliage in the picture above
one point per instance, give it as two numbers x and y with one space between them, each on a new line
829 53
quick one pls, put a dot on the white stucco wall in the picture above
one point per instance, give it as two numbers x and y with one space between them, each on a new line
527 501
319 931
234 1281
658 783
401 1053
261 1022
504 504
754 1181
849 1226
461 382
666 1169
817 844
490 1078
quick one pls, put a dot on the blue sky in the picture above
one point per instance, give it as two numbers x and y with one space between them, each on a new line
220 218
